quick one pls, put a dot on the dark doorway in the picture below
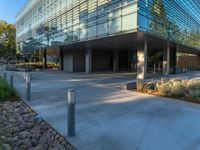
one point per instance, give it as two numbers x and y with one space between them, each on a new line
102 60
123 61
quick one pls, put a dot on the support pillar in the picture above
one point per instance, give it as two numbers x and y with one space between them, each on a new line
88 60
45 59
154 67
142 60
61 58
115 60
166 59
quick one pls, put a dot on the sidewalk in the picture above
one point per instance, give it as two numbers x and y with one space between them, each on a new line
109 118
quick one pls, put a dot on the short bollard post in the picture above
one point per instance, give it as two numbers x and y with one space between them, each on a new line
28 87
71 112
4 75
11 79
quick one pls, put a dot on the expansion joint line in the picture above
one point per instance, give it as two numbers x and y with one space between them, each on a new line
145 130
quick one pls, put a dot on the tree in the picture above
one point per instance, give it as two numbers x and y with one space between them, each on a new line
7 40
192 38
159 18
48 33
31 44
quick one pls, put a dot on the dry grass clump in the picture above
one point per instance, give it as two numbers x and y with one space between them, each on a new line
7 92
183 88
193 90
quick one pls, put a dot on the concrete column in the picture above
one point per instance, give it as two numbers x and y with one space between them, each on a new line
61 58
142 60
154 67
45 59
68 59
88 60
159 67
166 59
115 60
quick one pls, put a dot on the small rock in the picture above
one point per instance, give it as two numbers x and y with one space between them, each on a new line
14 129
13 140
54 133
43 140
30 125
24 134
22 126
57 136
32 148
27 143
36 130
64 142
34 141
23 147
18 143
69 147
58 146
6 147
61 139
3 138
12 120
38 119
41 147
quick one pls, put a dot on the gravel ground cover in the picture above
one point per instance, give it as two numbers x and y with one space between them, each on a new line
22 129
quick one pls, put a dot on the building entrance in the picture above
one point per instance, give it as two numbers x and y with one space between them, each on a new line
123 61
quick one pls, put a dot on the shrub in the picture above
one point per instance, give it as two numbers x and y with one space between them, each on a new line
6 91
173 87
150 86
193 84
175 80
177 88
164 80
164 88
193 90
140 84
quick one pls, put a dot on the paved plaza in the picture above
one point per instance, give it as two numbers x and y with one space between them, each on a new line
109 118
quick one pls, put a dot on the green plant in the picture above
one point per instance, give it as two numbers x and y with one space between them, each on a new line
6 91
150 86
2 141
1 145
164 80
193 90
173 87
164 88
177 87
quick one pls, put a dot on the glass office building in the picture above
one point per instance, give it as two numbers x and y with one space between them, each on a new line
93 35
175 20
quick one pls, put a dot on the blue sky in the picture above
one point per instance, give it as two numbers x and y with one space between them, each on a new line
9 8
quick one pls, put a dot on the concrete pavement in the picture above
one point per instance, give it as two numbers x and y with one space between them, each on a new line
108 118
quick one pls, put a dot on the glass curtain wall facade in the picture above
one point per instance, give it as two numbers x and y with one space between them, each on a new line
174 20
47 23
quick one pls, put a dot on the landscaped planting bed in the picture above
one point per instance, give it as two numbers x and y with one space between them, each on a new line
21 128
7 92
188 90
